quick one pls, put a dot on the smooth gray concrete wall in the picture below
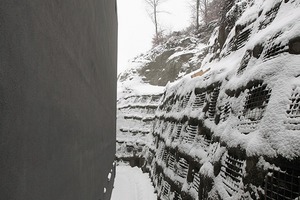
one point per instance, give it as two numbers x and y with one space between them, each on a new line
57 98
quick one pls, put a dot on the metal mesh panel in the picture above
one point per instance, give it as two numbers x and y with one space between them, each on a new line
196 182
282 184
191 131
183 168
274 50
256 101
242 38
199 100
177 196
270 16
293 112
177 132
165 156
230 46
225 111
213 102
171 128
257 98
244 62
186 100
171 162
165 189
232 173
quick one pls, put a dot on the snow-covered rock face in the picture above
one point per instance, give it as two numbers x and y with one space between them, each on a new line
233 130
136 114
168 62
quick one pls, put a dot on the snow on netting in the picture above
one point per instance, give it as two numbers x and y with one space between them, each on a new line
182 168
171 162
293 111
213 102
199 99
225 111
177 131
196 181
165 189
283 183
242 38
270 16
191 132
203 140
244 63
177 195
274 47
256 101
232 172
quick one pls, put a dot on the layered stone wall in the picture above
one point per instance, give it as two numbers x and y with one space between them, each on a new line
136 114
232 132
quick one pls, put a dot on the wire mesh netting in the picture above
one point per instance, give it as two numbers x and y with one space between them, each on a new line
199 100
182 168
225 111
256 101
283 183
196 182
270 16
213 102
171 162
191 132
232 174
293 111
242 38
244 62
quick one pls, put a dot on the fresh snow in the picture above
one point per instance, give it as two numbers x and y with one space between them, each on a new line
132 184
273 134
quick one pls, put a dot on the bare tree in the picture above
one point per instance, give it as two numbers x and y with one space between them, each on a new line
207 10
197 13
198 9
154 7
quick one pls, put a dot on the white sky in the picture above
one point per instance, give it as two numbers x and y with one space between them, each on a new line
136 28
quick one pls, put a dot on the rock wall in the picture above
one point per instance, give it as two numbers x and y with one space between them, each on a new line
57 99
230 130
136 114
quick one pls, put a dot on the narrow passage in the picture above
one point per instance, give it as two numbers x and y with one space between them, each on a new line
132 184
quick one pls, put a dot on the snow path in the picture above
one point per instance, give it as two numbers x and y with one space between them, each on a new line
132 184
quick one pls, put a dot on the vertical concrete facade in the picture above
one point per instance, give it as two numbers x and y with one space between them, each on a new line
57 98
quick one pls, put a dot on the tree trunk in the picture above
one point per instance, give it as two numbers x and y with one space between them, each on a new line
155 22
205 12
197 14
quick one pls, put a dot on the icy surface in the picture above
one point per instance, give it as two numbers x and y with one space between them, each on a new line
132 184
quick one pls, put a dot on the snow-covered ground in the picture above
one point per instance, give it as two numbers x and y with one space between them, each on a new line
132 184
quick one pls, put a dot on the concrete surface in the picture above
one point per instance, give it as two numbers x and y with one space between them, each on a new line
57 98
